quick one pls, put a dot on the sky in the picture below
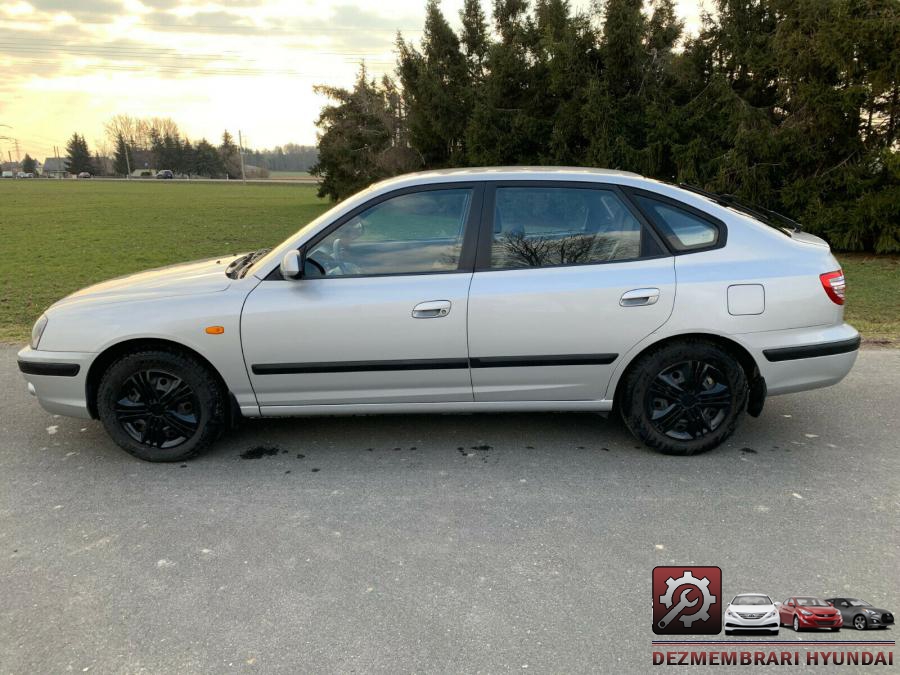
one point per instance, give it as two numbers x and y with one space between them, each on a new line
242 65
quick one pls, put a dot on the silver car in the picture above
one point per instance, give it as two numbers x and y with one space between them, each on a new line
502 289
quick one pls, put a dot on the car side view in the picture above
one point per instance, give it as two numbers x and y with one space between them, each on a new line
806 613
861 614
751 612
476 290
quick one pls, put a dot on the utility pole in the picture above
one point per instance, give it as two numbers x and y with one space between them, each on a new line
241 153
127 160
17 150
59 171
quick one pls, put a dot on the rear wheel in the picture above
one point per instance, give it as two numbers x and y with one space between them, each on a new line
684 397
160 406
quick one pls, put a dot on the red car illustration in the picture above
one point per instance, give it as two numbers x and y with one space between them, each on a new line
805 612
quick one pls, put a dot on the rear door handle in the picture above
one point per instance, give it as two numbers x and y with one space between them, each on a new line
433 309
639 297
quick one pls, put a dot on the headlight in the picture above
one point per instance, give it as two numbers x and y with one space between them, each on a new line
870 611
728 612
38 331
805 612
770 614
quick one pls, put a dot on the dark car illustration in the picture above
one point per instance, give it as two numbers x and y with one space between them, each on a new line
860 614
805 612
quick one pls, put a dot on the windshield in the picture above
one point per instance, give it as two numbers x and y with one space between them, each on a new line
858 603
811 602
751 600
773 219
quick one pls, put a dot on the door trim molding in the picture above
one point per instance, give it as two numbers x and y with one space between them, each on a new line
433 364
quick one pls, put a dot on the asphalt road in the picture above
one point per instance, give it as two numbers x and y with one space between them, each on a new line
375 544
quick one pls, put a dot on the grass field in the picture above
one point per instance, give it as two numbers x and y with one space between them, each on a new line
58 236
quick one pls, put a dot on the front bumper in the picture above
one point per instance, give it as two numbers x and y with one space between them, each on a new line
738 622
57 379
803 358
820 622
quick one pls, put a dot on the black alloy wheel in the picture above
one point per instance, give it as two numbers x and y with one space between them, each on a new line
158 409
161 406
688 400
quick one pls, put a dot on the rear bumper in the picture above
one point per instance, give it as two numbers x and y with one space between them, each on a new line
803 358
57 379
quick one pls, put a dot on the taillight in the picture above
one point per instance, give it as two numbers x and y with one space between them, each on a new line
834 285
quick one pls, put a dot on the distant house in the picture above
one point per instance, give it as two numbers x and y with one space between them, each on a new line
54 168
142 162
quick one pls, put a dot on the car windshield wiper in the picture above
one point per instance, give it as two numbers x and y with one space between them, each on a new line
236 267
761 213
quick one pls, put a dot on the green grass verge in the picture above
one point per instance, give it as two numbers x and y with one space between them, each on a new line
59 236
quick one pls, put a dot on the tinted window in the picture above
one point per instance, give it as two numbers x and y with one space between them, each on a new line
751 600
415 232
682 230
543 227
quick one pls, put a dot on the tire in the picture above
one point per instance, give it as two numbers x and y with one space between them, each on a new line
773 632
859 622
161 406
835 629
665 391
796 624
729 632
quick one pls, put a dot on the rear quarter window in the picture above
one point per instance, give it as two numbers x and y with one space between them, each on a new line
682 229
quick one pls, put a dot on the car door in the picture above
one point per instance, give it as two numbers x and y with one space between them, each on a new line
379 316
568 279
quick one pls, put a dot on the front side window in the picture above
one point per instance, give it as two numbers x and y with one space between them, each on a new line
545 227
681 229
418 232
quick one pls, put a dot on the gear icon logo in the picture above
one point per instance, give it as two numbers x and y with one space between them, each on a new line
687 600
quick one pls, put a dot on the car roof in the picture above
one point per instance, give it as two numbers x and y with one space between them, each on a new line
500 173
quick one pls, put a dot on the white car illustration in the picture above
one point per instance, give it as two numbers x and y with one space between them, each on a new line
751 611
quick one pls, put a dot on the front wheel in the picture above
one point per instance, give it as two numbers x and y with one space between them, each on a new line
859 622
160 406
796 624
684 397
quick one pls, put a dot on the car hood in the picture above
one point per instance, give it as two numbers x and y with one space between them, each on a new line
201 276
752 609
819 611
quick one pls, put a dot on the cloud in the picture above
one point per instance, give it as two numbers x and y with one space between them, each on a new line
80 9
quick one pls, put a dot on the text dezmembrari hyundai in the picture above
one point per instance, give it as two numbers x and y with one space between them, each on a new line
502 289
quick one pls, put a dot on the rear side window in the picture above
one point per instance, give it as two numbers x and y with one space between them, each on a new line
681 229
546 227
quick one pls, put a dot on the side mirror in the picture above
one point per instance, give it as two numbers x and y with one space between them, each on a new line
291 265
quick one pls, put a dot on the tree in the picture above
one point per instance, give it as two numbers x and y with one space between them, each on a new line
436 91
122 161
78 157
28 164
207 160
361 137
229 154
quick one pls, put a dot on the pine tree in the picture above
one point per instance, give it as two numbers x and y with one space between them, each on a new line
28 164
229 153
78 157
122 160
207 160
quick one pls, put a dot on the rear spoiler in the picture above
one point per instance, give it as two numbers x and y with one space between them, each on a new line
761 213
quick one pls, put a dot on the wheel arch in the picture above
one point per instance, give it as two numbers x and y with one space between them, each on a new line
115 351
737 350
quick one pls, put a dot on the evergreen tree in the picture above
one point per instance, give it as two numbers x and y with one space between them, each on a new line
78 157
28 164
229 154
122 159
436 91
207 160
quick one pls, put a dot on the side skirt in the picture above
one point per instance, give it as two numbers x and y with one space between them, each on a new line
430 408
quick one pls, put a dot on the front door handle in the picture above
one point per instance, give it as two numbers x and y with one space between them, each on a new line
639 297
434 309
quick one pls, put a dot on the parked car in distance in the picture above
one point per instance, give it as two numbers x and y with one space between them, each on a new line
860 614
472 290
751 612
805 612
84 174
7 174
165 174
